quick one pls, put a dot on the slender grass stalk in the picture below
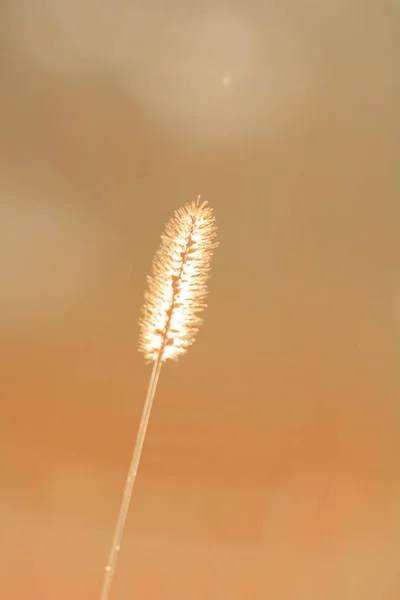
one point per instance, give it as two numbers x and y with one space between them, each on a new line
169 323
130 480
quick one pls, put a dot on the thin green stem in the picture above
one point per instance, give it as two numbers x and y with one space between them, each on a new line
126 497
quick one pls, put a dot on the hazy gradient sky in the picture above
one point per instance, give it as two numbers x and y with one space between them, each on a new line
271 466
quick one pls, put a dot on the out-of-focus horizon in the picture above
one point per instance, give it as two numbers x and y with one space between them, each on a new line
271 462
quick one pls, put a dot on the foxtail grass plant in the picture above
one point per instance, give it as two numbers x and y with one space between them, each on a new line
174 299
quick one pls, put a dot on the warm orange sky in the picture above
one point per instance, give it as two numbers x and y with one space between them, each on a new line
271 465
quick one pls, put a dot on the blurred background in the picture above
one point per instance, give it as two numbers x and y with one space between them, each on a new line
271 466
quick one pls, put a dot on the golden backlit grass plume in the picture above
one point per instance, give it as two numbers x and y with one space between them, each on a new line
175 296
177 286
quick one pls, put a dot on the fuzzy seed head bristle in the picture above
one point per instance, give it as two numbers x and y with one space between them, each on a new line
177 285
